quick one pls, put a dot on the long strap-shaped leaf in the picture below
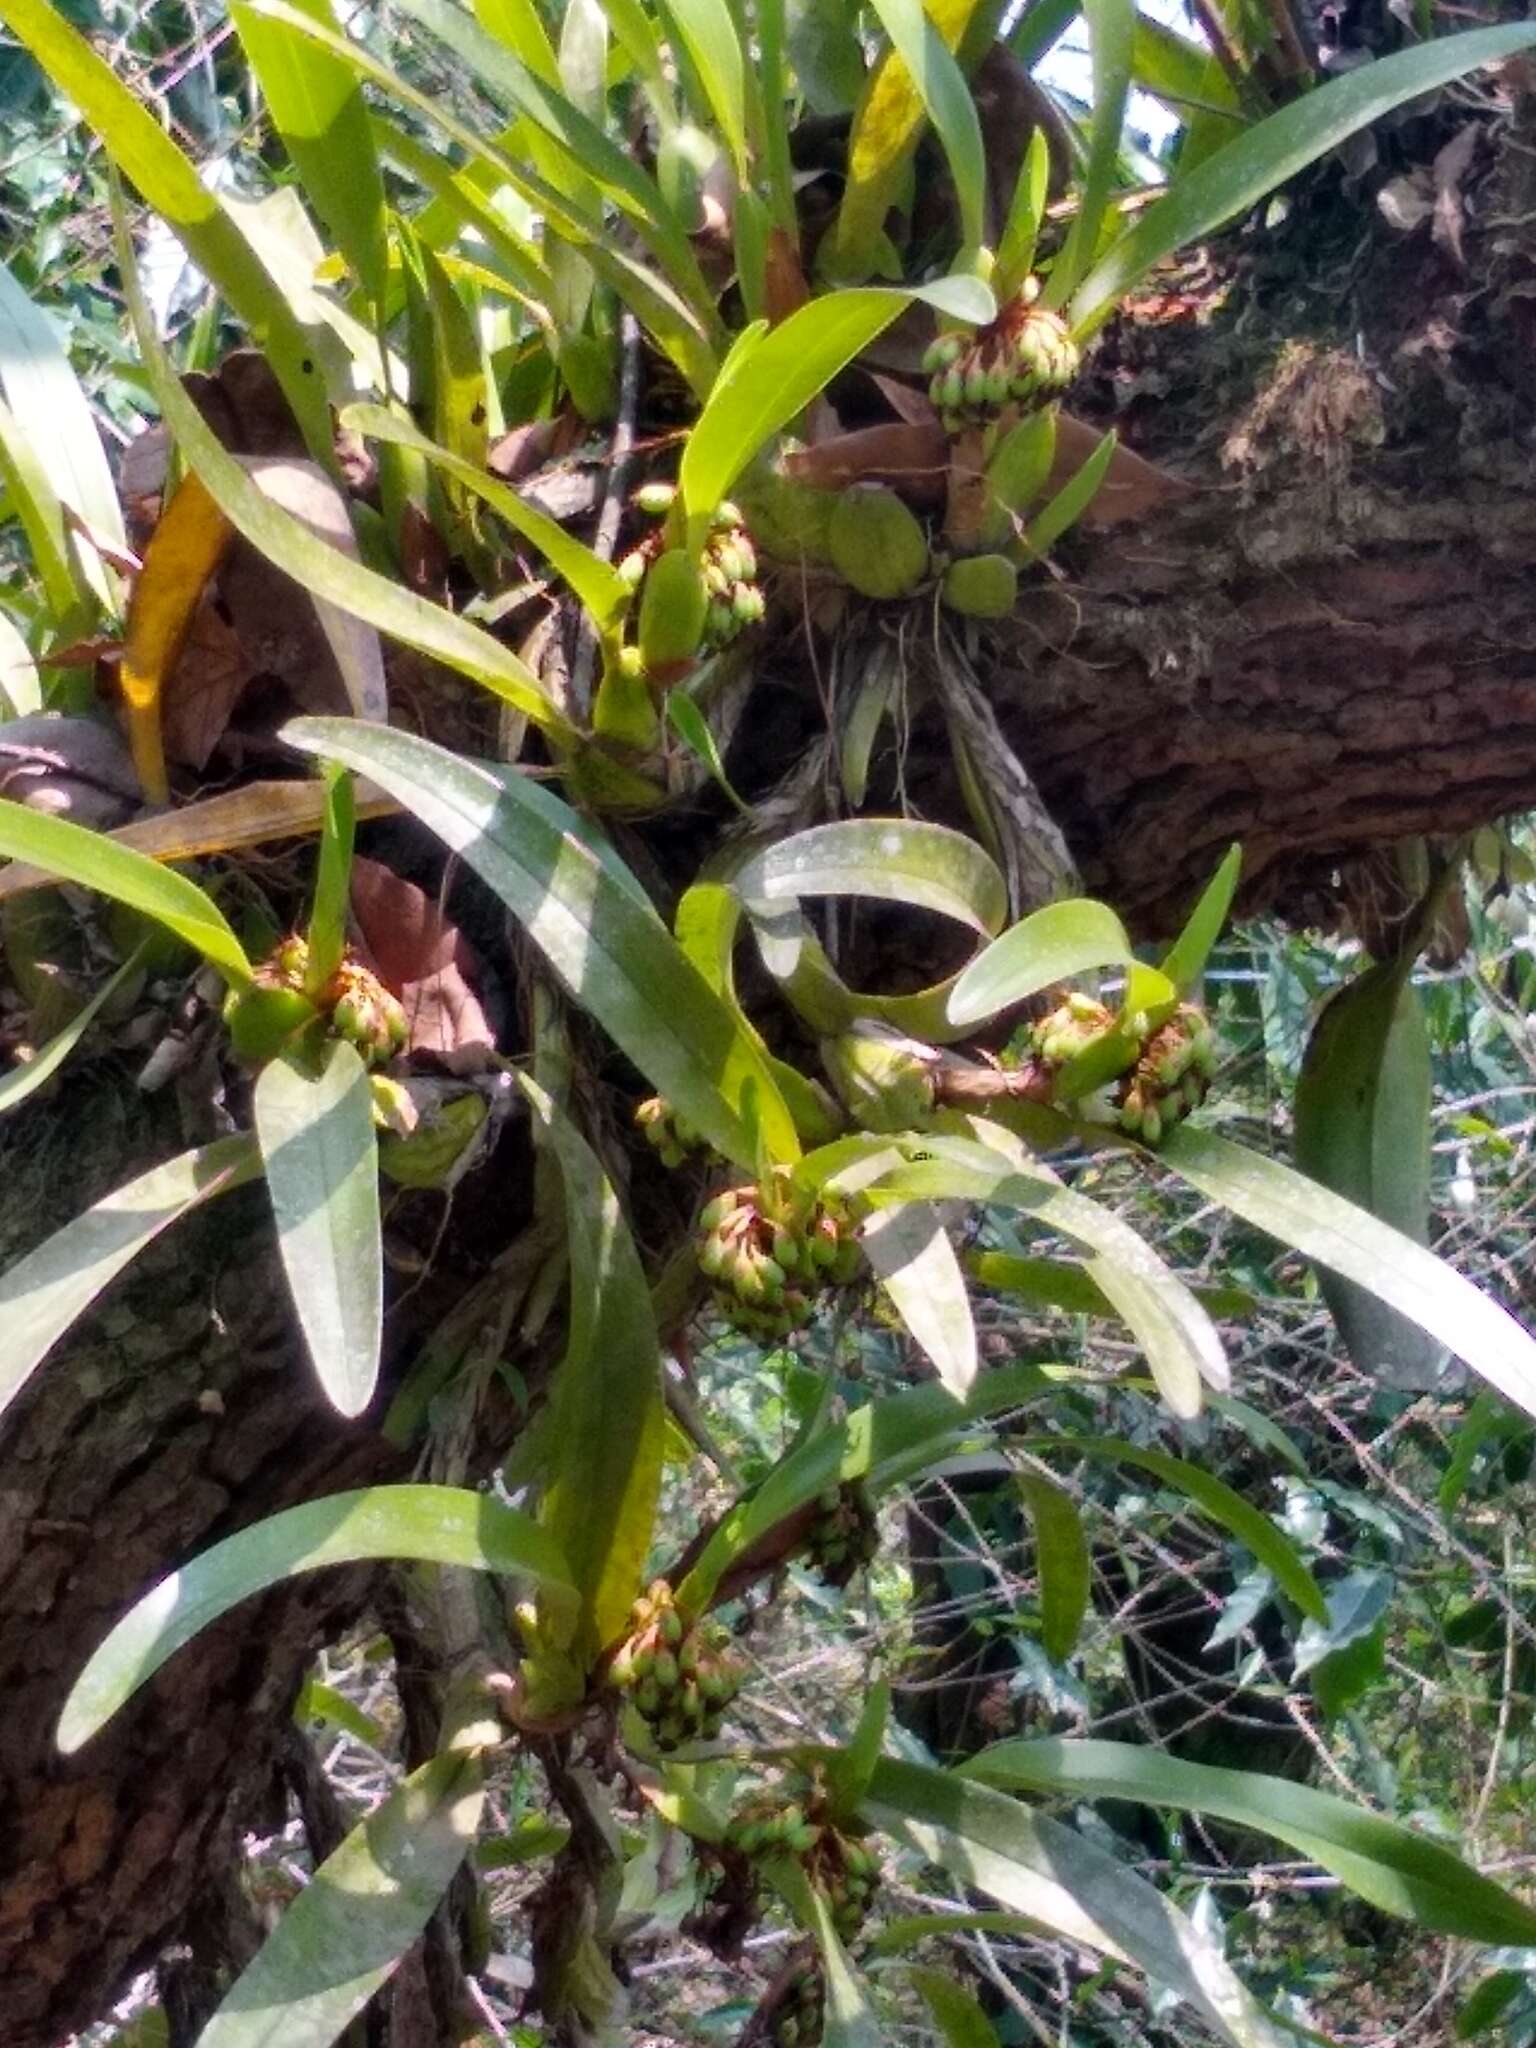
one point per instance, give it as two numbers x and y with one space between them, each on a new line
144 153
321 1157
1400 1871
1324 1227
424 1524
788 367
94 861
323 571
886 1434
317 107
41 388
614 955
21 1081
1034 1865
52 1286
609 1420
346 1932
1253 165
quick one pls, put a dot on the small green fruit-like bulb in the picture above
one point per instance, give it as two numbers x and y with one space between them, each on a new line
981 586
884 1079
786 1251
655 500
631 569
720 624
290 961
876 542
715 1211
261 1020
673 603
669 1626
368 1016
748 604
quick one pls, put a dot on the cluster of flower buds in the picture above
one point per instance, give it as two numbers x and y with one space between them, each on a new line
1023 358
799 2013
728 565
668 1130
849 1873
679 1678
769 1826
278 1004
1070 1028
769 1254
845 1536
842 1869
1171 1077
365 1013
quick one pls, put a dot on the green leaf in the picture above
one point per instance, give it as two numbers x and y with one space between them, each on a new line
609 1419
848 1772
1263 158
333 880
599 587
949 104
1363 1115
25 1079
1255 1531
1063 1563
1111 35
21 693
321 1704
1069 1284
590 154
1186 957
709 36
697 735
1049 946
423 1524
887 125
957 2013
320 1153
895 860
1492 1997
851 2020
1484 1420
911 1255
1336 1234
790 367
990 1165
885 1435
1071 501
1356 1604
1026 211
324 571
317 107
344 1934
169 182
76 854
43 1293
1404 1873
613 954
1035 1866
40 387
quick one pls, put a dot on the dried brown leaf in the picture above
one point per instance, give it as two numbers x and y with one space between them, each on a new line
428 963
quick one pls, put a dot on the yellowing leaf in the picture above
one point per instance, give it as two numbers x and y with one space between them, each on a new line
183 553
886 128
